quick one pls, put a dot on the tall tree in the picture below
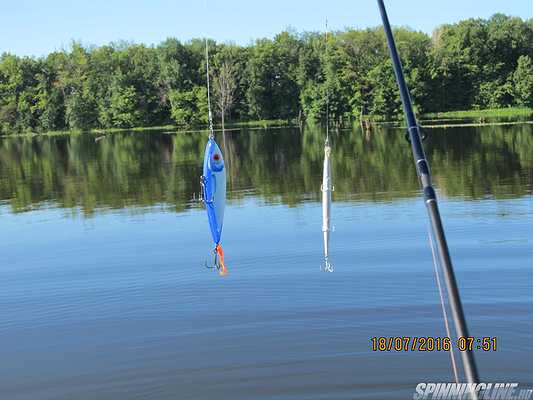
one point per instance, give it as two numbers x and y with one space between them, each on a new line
523 82
224 85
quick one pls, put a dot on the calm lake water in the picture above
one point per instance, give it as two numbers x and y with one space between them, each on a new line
103 292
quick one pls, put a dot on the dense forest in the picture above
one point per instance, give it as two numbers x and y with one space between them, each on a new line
475 63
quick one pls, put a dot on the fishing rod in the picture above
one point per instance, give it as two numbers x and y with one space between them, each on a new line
424 175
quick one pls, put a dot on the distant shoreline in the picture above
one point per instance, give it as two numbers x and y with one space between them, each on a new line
256 124
463 118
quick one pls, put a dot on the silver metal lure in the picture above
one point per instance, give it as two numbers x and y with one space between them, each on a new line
327 188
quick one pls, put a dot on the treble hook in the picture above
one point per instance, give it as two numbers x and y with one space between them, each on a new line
218 261
327 266
203 193
215 261
202 189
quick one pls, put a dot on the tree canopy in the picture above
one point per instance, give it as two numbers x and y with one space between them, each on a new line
475 63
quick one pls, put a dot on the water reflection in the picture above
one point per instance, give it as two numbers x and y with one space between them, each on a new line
279 165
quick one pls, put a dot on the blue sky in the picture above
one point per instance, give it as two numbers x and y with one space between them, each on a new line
36 27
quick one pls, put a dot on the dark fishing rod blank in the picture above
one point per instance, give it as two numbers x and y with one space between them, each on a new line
424 175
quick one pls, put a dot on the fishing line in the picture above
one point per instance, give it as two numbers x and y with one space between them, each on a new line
327 89
436 267
209 114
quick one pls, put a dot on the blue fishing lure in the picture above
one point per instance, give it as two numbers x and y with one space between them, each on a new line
213 183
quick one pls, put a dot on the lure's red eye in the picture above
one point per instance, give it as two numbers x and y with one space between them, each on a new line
216 157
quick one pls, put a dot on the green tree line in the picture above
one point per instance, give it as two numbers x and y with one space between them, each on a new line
475 63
